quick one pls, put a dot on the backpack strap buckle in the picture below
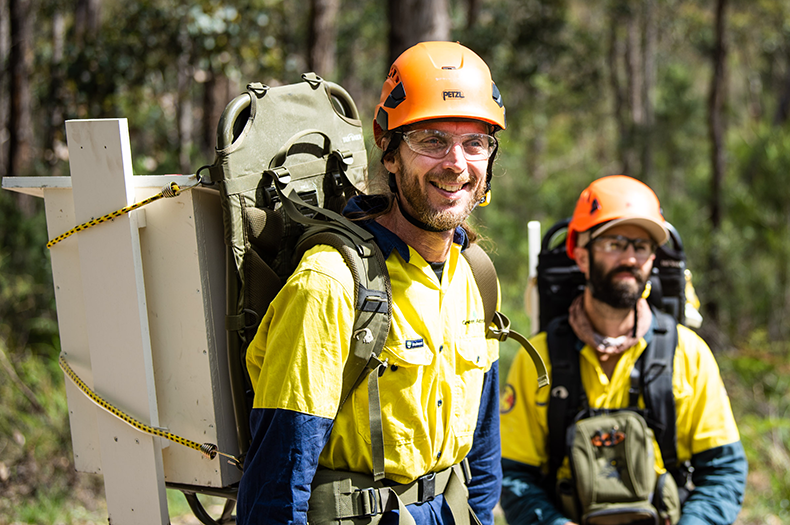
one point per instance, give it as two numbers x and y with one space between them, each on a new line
426 487
280 173
369 502
344 156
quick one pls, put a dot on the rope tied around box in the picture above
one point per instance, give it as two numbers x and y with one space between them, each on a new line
209 450
169 191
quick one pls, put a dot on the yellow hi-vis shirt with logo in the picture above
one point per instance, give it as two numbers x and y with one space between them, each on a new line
703 412
436 351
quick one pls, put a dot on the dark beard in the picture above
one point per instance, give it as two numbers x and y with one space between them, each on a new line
617 294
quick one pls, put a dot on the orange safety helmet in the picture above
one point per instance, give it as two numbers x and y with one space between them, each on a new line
433 80
614 200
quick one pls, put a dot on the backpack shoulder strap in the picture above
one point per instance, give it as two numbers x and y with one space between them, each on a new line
373 306
373 298
653 374
484 273
655 366
567 396
497 323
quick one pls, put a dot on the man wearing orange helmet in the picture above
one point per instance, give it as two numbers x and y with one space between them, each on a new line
610 328
440 459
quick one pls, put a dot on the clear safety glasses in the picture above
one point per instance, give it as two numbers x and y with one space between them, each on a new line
618 244
437 144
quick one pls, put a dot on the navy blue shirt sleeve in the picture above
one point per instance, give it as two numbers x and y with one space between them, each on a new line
719 478
485 455
280 466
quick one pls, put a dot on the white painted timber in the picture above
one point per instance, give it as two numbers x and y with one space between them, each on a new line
141 308
72 324
117 320
183 257
531 299
184 264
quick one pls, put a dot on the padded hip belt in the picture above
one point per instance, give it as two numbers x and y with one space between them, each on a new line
351 497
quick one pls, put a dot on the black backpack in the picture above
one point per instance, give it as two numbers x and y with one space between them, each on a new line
560 280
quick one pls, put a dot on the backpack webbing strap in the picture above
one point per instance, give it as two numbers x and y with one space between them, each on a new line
373 305
371 324
567 396
497 323
374 416
485 275
657 369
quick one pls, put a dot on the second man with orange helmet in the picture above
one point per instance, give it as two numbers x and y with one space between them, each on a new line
614 354
436 125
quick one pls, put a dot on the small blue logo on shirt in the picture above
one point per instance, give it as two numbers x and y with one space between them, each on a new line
415 343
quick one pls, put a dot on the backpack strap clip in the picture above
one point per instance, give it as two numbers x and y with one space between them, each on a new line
500 329
497 323
279 173
369 502
426 487
259 89
344 156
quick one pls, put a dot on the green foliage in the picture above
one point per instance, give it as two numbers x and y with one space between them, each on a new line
27 303
759 387
754 237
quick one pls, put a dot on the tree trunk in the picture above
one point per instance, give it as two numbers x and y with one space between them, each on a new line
55 124
633 71
413 21
216 95
472 13
86 20
184 107
783 108
633 68
4 87
716 129
19 61
648 88
322 56
210 104
618 97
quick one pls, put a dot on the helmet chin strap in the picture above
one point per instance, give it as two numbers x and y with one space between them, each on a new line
409 217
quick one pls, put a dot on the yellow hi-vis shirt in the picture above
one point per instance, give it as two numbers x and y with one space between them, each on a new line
703 412
436 350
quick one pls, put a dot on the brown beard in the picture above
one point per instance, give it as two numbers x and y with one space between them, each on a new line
421 209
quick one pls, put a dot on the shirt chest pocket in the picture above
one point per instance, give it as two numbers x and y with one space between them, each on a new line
471 364
404 389
422 391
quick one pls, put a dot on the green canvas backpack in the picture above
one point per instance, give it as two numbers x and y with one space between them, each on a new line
288 159
614 477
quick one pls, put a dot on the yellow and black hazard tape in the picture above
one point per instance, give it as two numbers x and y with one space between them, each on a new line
209 450
171 190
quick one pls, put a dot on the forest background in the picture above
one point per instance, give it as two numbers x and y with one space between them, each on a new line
690 96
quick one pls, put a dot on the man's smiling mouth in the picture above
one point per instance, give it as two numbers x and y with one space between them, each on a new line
452 188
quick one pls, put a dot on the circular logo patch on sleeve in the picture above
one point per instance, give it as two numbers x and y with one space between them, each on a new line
507 399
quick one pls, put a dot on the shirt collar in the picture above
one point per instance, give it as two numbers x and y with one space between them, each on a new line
386 239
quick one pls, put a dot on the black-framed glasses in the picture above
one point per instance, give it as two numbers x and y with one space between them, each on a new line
437 144
618 244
